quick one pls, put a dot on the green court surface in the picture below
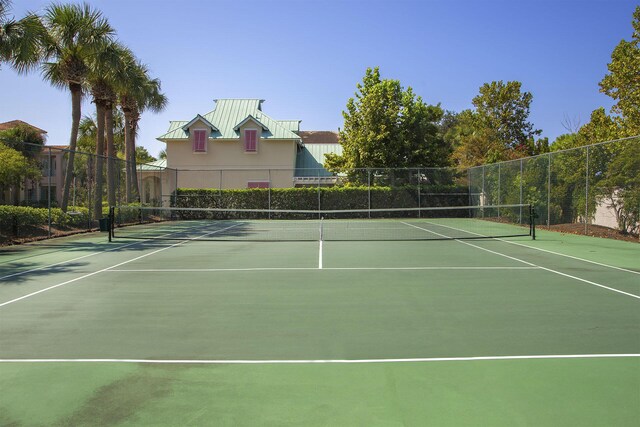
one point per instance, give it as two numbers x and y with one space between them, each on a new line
506 332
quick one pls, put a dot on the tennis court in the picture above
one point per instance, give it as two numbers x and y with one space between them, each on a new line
320 326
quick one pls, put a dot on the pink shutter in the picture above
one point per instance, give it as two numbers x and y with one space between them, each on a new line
250 140
199 141
258 184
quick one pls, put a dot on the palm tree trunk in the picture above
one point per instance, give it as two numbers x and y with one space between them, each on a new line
76 98
127 154
100 113
111 154
134 173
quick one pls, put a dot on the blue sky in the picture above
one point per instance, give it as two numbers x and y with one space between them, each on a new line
306 57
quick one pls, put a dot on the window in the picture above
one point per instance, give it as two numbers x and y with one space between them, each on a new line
46 191
258 184
199 141
251 141
48 166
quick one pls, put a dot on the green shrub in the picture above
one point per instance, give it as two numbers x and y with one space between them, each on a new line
324 198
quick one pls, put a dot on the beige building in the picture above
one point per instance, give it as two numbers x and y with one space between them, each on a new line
234 146
49 187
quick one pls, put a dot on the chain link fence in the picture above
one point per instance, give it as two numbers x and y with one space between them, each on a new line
30 207
591 190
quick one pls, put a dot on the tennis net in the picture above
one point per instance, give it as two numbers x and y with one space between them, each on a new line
434 223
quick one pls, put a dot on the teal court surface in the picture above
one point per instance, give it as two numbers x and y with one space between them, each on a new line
510 331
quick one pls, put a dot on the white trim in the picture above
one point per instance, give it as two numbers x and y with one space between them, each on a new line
196 119
323 361
253 119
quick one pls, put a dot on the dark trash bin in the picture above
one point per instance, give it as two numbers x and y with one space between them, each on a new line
105 224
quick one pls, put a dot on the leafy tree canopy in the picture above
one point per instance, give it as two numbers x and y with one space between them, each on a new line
17 136
386 126
622 83
143 156
15 167
498 129
504 108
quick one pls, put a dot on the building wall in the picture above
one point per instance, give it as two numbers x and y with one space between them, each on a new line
35 192
202 170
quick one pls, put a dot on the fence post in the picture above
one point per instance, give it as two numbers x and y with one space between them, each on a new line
586 195
419 192
369 190
499 189
482 197
49 194
549 190
319 195
521 179
269 195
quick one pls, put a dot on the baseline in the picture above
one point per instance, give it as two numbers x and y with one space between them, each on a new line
196 270
319 361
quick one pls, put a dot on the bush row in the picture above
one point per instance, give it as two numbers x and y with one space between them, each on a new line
19 220
324 198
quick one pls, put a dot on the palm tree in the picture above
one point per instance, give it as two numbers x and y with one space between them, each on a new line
138 94
105 69
21 40
75 34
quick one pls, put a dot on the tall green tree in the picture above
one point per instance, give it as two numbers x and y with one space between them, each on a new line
75 34
138 93
105 71
16 168
143 156
504 108
497 129
27 142
622 83
386 126
20 40
24 138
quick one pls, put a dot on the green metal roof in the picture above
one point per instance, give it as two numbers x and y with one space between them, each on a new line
158 165
227 114
310 159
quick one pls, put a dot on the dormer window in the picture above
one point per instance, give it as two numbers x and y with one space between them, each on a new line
199 141
251 141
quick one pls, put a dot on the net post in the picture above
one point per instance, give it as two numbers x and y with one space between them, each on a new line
112 221
532 222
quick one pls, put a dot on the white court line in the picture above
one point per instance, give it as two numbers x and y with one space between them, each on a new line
78 258
192 270
108 268
526 262
67 261
570 256
543 250
320 256
321 361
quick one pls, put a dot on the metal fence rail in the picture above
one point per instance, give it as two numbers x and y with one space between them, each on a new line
579 190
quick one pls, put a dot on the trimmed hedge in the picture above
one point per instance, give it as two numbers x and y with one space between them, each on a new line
323 198
20 220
